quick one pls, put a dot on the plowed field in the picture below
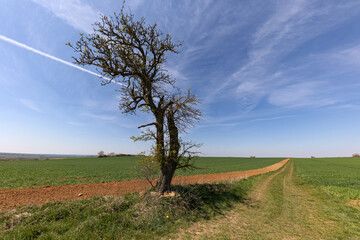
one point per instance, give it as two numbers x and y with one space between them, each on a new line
10 198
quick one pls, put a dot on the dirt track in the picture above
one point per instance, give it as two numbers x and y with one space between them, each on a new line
10 198
276 208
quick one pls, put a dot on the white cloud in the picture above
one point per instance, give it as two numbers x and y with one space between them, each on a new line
288 27
30 105
76 123
217 125
299 95
100 116
76 13
90 103
176 73
339 60
348 106
271 118
288 13
24 46
248 87
350 55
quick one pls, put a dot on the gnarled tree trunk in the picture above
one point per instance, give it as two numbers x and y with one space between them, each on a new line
166 174
160 143
168 167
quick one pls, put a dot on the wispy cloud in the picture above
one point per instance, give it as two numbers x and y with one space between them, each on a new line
259 71
287 28
348 56
348 106
24 46
100 116
223 122
78 124
265 74
76 13
30 105
271 118
118 120
206 125
299 95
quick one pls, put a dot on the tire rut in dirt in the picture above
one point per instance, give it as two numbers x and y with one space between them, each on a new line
286 216
258 194
213 228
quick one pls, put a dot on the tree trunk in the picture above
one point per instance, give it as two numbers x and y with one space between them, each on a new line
166 175
174 147
169 166
160 149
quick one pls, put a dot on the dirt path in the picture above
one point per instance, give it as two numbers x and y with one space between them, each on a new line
277 209
10 198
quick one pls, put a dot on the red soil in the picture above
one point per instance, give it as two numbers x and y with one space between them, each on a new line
10 198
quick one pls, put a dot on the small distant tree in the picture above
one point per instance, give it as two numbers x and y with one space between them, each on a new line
356 155
112 154
131 53
101 154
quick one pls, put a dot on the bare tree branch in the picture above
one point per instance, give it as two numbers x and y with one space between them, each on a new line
146 125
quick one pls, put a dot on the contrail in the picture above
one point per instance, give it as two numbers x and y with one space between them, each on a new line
18 44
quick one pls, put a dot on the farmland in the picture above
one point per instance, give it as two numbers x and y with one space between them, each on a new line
21 174
286 204
31 157
339 177
308 196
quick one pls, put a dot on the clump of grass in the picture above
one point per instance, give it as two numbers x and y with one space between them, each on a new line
138 216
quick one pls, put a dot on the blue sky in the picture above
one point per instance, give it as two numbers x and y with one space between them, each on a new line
276 78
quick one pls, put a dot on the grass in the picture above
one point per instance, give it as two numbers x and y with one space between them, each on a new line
280 208
339 177
21 174
285 204
336 181
307 212
133 216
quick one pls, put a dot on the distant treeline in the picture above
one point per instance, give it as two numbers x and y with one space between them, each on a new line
17 159
103 155
34 157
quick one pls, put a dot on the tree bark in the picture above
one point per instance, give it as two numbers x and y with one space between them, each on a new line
174 147
160 148
166 175
168 167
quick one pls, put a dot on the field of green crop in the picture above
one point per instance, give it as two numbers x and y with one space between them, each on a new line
21 174
286 199
23 156
339 177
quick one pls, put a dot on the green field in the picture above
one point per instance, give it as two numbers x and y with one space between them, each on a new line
339 177
24 156
21 174
306 199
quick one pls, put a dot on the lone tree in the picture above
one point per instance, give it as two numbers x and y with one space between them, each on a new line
101 154
131 53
